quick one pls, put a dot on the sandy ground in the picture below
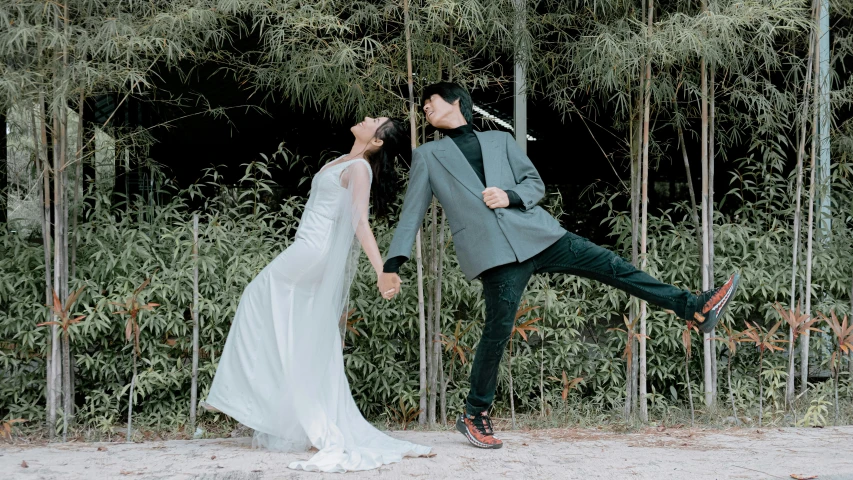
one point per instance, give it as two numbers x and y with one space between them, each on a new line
680 453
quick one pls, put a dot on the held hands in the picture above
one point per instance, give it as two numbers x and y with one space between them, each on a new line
388 284
495 198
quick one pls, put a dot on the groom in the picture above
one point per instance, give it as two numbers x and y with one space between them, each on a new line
489 190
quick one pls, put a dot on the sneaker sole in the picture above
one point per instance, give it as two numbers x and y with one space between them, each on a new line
473 441
713 317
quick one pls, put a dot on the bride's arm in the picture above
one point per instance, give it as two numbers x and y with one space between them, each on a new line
356 179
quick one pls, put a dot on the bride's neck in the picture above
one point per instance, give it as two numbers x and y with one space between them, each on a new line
358 150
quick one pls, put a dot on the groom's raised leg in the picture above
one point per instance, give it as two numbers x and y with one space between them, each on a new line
576 255
502 289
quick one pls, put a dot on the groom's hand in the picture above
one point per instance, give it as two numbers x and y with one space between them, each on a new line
389 285
495 198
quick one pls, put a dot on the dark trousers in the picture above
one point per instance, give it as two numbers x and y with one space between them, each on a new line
573 254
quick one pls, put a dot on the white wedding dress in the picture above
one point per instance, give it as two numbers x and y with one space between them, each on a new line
282 371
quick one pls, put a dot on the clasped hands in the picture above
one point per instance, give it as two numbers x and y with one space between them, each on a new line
389 283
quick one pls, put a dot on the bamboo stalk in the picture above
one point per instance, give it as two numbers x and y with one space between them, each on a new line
78 183
644 222
689 388
706 237
414 134
194 382
731 392
542 376
128 437
57 256
801 150
431 323
43 166
694 207
804 338
511 390
711 125
66 352
437 328
760 387
634 140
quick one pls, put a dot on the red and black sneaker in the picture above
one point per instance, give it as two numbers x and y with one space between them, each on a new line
709 314
478 430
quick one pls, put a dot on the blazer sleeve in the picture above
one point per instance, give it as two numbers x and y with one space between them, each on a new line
530 187
417 200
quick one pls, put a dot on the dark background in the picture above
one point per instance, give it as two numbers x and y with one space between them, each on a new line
567 150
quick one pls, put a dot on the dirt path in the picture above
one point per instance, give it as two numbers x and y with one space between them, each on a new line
539 454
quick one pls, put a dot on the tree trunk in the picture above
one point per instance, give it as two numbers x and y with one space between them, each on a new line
804 357
644 407
801 150
706 226
194 381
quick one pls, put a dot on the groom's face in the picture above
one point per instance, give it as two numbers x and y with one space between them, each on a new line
439 113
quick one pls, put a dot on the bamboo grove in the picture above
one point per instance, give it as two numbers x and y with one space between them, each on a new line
115 307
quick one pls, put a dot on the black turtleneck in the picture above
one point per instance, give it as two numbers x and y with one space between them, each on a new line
469 145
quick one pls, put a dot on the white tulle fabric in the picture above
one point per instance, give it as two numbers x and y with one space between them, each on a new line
282 372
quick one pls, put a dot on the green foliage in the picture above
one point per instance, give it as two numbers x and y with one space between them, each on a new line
243 227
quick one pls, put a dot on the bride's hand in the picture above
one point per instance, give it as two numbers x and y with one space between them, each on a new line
388 284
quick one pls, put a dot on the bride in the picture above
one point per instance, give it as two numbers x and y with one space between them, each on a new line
282 372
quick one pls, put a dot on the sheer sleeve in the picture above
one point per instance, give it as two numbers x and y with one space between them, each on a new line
357 178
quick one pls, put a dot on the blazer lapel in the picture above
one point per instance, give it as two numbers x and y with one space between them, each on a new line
452 159
491 159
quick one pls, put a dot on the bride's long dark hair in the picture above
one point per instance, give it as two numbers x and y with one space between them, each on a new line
394 134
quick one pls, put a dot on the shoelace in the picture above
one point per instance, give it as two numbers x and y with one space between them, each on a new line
485 424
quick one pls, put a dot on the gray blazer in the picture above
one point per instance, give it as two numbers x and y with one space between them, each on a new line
483 238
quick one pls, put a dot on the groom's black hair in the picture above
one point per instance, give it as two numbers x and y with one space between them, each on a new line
451 92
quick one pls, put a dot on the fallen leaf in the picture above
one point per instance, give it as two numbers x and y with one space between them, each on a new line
661 428
102 449
125 472
524 444
801 477
24 464
213 457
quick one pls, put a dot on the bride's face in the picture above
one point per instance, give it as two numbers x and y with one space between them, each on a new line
366 129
